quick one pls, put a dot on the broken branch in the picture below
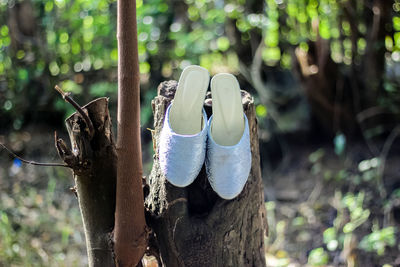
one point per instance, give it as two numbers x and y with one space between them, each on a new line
31 161
67 98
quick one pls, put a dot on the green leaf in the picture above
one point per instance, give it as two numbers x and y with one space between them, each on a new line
223 43
396 23
261 111
4 30
329 235
324 29
144 67
318 257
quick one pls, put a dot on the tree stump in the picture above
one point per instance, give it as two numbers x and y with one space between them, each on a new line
93 160
192 225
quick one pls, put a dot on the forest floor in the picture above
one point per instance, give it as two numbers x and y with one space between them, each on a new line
330 210
323 209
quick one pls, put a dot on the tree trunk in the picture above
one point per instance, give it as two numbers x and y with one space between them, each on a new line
130 225
192 225
325 88
93 160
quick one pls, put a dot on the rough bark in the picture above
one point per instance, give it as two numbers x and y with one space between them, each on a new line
93 160
130 224
192 225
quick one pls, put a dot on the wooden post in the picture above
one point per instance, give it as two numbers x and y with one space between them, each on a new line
192 225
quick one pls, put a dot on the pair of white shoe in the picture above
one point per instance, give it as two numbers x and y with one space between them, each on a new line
188 139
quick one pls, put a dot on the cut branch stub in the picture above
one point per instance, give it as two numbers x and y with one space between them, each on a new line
192 225
93 160
67 98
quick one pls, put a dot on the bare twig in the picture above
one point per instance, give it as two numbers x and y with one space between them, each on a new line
364 115
33 162
383 156
66 97
65 153
371 112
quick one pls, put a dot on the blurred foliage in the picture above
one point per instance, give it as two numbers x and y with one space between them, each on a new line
318 257
59 42
340 220
73 43
40 223
379 239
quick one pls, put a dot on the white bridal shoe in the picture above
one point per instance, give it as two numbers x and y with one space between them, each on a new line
182 146
228 160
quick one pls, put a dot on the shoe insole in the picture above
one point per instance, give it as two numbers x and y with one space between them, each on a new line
186 116
228 122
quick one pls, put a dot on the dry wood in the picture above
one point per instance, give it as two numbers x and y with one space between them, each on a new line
67 98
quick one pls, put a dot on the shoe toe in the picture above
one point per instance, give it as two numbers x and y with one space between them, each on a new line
181 159
228 167
181 156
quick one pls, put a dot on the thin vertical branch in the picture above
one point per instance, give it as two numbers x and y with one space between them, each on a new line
130 225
